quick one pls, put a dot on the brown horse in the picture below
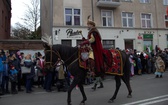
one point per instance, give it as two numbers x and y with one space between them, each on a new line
70 57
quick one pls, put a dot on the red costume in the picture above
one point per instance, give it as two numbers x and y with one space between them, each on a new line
97 49
94 39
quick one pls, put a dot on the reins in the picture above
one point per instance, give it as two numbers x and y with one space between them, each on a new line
51 55
59 56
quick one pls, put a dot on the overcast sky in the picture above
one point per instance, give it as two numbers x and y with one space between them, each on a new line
18 8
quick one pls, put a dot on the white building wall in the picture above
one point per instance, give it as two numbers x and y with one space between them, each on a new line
73 3
119 35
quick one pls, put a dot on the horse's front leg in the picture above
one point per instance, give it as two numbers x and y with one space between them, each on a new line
74 83
83 93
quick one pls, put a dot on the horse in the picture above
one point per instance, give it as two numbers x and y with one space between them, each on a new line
70 56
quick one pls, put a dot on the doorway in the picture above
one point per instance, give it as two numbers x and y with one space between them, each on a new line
129 44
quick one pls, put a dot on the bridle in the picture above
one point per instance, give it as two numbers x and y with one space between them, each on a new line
51 63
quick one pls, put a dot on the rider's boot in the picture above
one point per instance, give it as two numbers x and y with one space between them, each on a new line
101 85
94 87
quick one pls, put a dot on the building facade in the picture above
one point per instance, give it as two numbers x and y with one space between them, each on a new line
127 24
5 19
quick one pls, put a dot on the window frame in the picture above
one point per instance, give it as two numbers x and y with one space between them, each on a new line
127 18
66 42
107 43
79 41
165 2
151 20
127 0
72 16
144 1
112 18
2 25
107 0
166 20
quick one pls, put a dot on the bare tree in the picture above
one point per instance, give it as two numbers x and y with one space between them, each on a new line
21 32
32 15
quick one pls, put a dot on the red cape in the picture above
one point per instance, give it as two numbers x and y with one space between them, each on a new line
97 49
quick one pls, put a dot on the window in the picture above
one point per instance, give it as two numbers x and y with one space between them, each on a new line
107 18
72 16
146 21
79 42
144 1
127 0
2 18
107 44
166 21
165 2
127 19
106 0
6 26
110 0
66 42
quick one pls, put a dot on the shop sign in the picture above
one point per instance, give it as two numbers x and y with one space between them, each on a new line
71 33
139 37
148 36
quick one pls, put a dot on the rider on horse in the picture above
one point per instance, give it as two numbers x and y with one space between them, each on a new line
94 39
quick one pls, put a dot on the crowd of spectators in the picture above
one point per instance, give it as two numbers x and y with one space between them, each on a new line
147 62
20 72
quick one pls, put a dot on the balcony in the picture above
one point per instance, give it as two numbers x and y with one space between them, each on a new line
108 3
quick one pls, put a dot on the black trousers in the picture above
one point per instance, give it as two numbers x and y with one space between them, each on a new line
13 86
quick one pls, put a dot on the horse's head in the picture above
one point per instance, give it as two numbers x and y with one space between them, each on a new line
51 55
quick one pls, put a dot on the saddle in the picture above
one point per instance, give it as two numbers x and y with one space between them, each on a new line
86 57
84 53
111 57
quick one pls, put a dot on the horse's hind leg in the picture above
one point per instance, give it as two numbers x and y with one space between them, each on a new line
83 93
127 83
118 84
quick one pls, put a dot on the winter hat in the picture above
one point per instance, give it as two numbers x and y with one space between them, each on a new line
39 54
12 67
11 54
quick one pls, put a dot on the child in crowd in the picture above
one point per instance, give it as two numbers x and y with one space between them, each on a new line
139 65
13 78
132 64
160 67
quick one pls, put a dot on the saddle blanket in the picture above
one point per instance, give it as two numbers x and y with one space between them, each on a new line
112 55
117 66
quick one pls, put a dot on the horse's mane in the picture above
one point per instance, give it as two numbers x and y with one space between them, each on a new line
61 47
64 50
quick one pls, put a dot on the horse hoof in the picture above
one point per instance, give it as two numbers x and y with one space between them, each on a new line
129 96
110 101
82 103
69 104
